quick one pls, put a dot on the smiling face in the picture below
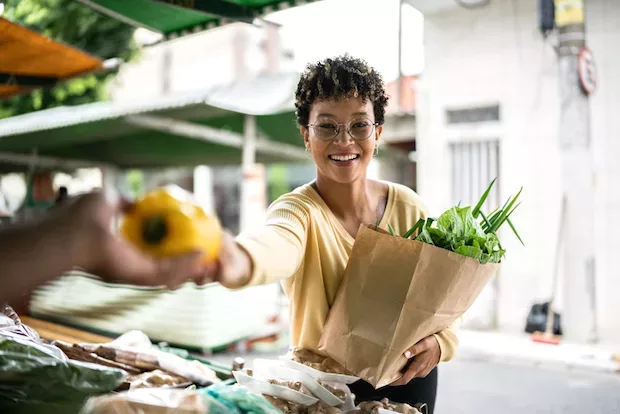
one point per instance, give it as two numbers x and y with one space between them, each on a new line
342 159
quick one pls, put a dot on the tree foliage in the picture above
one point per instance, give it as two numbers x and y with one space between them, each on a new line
75 24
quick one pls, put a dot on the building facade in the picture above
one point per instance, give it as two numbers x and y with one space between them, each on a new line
488 106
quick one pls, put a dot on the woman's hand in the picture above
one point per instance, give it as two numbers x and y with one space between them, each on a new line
423 356
234 267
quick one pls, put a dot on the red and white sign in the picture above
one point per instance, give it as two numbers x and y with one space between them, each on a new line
587 71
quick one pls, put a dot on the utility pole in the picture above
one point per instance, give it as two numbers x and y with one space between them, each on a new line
577 169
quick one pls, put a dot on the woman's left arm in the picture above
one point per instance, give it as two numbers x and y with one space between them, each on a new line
448 341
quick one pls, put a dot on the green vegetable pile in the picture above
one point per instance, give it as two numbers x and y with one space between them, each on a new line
36 377
466 230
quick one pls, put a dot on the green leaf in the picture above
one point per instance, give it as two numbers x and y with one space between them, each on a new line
495 216
391 229
438 236
476 210
505 213
469 251
514 230
451 222
485 219
417 226
425 236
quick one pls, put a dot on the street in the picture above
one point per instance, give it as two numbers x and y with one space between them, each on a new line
481 387
470 386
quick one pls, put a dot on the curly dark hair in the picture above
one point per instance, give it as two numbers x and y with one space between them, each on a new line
336 78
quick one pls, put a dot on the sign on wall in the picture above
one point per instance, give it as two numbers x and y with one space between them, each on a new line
587 71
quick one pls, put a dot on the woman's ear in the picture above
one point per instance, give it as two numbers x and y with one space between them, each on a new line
306 134
378 132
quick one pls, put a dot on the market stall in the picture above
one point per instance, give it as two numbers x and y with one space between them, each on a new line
131 374
202 128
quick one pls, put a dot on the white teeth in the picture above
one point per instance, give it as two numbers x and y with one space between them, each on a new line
343 157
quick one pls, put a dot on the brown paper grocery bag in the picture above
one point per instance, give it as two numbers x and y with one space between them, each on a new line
394 293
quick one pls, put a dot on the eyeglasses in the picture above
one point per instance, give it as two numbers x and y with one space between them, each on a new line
359 129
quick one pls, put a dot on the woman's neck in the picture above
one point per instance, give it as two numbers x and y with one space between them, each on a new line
345 200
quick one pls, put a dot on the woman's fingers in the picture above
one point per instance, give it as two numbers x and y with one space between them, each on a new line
420 347
408 375
423 356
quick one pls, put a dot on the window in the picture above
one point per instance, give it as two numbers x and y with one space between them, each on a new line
474 165
473 115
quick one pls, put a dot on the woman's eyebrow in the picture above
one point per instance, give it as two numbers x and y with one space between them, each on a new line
325 114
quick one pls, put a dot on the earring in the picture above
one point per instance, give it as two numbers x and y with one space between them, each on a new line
308 153
376 152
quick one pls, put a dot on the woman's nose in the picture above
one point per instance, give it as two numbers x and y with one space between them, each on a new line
343 138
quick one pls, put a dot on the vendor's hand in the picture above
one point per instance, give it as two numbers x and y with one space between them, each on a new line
423 356
234 267
99 251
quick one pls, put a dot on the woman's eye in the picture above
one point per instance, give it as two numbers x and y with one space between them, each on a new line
360 125
327 126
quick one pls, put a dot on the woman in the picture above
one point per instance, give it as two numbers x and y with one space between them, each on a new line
309 233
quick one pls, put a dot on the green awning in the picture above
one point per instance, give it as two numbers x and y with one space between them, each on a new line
174 18
199 128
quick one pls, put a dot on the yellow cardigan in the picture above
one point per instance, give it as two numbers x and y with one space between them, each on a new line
304 245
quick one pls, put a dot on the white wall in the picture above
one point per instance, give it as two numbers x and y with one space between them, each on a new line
198 61
496 54
488 56
603 33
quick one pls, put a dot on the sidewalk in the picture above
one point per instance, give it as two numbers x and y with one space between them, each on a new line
521 349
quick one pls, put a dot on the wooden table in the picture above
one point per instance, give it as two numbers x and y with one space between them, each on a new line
52 331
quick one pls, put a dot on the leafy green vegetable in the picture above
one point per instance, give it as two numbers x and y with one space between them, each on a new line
468 231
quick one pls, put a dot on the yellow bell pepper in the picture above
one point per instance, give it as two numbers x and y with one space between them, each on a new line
169 222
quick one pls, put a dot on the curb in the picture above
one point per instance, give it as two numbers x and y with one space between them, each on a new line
473 354
522 350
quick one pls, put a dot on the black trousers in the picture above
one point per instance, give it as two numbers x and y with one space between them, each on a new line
419 390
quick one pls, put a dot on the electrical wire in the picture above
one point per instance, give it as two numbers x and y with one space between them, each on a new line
471 6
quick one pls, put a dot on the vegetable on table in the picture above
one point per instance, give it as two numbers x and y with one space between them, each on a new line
169 222
467 230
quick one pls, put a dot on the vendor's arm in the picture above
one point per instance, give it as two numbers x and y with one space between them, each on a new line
270 253
79 235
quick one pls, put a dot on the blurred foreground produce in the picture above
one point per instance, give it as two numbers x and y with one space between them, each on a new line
38 377
168 222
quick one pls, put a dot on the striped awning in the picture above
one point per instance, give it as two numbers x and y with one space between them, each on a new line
30 60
